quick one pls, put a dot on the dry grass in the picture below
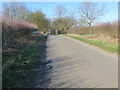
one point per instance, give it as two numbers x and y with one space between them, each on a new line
104 31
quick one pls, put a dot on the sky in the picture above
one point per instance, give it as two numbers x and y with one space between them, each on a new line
49 7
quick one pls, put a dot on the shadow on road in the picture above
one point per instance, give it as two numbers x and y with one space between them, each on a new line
43 78
67 70
45 69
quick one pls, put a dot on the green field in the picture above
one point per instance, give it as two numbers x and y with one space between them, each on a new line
110 47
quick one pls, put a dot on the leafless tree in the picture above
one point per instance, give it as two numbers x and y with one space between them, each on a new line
15 10
60 11
89 12
63 19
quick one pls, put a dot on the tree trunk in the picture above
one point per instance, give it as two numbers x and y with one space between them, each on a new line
56 31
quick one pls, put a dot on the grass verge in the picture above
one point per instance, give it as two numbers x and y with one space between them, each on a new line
110 47
20 66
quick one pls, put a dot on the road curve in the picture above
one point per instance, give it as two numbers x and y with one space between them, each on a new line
73 64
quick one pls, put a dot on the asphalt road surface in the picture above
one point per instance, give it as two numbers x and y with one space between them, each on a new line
72 64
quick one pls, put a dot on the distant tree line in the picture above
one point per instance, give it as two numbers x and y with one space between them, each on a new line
88 13
85 15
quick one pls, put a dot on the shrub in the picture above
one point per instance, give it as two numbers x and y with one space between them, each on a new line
16 32
104 29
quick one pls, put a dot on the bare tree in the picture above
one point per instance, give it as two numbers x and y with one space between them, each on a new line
15 10
89 12
63 19
60 11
